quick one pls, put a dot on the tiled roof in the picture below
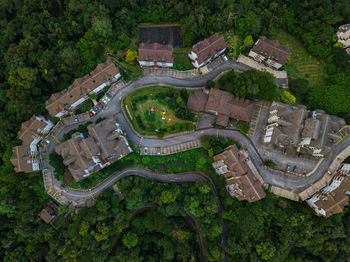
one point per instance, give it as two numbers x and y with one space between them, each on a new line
155 52
209 47
197 101
271 49
81 87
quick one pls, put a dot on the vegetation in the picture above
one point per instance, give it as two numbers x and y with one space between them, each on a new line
270 163
243 127
131 57
288 98
81 129
56 161
181 60
45 45
86 106
250 84
159 110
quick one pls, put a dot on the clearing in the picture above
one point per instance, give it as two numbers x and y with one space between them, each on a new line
302 64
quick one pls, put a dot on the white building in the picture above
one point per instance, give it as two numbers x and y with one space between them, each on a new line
343 35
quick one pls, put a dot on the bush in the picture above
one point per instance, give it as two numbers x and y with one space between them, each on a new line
270 163
56 161
85 107
288 98
93 96
243 127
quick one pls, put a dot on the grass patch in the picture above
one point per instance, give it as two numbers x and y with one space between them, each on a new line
181 60
302 65
158 111
85 107
243 127
234 43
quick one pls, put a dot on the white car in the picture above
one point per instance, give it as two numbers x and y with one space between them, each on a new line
107 98
146 149
104 101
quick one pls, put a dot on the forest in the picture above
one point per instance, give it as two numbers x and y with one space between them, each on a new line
45 45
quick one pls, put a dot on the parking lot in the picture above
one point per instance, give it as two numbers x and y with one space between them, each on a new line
256 115
282 192
170 149
170 72
344 132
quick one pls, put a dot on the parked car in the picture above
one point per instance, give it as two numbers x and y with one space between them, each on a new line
91 114
104 101
95 108
295 169
99 105
76 119
109 95
288 167
146 150
107 98
158 150
299 155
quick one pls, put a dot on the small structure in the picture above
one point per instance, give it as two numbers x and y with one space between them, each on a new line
343 35
104 145
270 52
26 157
76 94
332 198
206 50
49 212
300 128
243 180
221 103
155 55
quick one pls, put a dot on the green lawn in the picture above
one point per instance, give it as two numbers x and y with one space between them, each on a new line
181 60
152 112
302 64
234 43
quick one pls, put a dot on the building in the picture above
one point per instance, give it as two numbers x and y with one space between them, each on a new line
343 35
26 157
270 52
49 213
59 104
206 50
86 154
307 131
243 181
155 55
334 197
221 103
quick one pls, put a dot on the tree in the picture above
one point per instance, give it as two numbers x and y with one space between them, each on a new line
248 41
130 240
288 98
131 56
201 163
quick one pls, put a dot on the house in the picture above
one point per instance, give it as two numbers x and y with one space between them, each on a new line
343 35
155 55
243 181
206 50
86 154
26 157
221 103
307 131
49 212
332 198
269 52
59 104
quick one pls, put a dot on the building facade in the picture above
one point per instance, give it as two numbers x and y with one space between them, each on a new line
269 52
204 51
343 35
155 55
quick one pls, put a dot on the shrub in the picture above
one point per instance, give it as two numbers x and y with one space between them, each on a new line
243 127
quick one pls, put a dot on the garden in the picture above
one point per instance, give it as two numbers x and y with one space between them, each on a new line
159 111
181 60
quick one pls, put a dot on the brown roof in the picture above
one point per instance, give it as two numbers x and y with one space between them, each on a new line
271 49
311 128
241 174
335 201
49 212
81 87
21 159
225 103
222 103
209 47
155 52
196 102
29 129
104 143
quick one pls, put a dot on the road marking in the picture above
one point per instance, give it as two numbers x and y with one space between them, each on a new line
141 141
58 141
91 194
201 132
217 132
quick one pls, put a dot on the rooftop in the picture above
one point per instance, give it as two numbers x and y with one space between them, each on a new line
155 52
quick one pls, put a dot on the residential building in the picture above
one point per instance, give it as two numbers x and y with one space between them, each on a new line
343 35
26 157
334 197
155 55
221 103
270 52
49 212
86 154
59 104
307 131
243 180
206 50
